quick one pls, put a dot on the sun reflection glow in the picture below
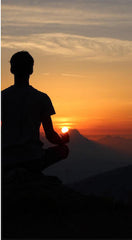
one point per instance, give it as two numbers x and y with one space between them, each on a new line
64 129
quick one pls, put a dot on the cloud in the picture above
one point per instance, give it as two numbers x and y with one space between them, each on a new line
91 18
79 47
73 75
69 14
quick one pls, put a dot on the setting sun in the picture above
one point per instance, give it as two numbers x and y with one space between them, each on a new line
64 129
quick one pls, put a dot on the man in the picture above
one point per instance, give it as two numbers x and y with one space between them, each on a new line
24 108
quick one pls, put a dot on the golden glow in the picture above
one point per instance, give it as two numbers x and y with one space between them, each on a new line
88 79
64 130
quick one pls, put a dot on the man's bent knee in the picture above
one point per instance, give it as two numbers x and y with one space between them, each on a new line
55 154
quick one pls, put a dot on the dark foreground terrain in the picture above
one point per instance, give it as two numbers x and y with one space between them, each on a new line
38 206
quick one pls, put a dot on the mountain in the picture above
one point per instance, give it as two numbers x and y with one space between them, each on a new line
119 143
116 184
86 158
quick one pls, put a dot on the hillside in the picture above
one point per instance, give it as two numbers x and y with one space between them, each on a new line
86 158
116 184
35 206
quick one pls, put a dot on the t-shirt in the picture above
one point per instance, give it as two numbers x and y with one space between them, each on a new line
23 109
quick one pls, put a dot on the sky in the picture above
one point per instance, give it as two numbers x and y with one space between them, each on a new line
83 59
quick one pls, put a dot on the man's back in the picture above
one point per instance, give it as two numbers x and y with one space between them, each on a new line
22 111
24 108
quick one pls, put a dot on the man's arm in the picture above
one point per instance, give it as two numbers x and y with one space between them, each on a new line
51 135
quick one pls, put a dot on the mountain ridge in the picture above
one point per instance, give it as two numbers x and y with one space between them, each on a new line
115 183
86 158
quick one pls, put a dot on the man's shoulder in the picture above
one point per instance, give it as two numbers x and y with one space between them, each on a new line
7 90
44 101
39 93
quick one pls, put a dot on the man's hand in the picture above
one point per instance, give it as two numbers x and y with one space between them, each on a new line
51 135
65 138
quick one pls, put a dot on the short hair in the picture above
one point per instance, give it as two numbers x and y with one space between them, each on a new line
22 63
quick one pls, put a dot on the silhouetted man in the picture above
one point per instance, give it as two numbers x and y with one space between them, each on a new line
24 108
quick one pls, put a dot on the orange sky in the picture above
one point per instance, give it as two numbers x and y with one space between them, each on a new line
86 74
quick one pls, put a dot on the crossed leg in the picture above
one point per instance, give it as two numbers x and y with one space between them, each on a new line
54 154
49 157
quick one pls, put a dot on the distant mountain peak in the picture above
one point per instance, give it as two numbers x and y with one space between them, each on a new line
77 138
74 132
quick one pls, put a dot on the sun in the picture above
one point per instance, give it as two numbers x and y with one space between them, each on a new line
64 129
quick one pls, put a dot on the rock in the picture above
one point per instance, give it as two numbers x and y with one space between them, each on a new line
38 206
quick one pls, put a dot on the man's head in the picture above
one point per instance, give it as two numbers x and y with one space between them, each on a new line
22 63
